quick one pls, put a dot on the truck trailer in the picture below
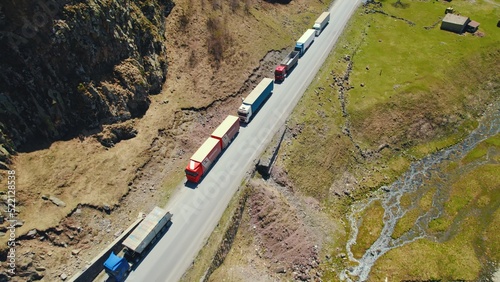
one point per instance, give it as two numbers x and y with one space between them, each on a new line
255 99
226 131
135 244
202 159
147 230
305 41
321 22
283 69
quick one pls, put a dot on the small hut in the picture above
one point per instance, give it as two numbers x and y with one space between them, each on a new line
472 26
455 23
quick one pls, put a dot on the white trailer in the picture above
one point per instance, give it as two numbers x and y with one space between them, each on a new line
147 230
305 41
226 131
321 22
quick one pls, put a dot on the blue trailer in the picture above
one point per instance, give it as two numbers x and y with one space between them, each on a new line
305 41
254 101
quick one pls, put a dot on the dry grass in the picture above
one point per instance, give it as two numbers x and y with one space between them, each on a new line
219 46
277 237
242 262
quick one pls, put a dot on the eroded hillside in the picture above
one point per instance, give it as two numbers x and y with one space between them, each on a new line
70 66
88 192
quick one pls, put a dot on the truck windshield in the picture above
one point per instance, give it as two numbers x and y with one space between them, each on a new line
297 49
242 114
192 173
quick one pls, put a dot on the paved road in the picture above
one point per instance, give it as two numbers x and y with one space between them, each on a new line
197 211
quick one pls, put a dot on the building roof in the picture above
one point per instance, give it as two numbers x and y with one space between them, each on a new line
473 24
455 19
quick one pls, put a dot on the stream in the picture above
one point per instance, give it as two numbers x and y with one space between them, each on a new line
422 176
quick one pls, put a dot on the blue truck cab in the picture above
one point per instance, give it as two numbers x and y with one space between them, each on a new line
116 267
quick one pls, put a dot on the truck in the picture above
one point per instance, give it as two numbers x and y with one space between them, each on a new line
283 69
321 22
305 41
134 245
202 159
255 99
226 131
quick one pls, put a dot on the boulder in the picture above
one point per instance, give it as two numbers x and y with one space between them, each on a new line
58 202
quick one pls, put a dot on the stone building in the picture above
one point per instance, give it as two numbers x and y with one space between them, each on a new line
455 23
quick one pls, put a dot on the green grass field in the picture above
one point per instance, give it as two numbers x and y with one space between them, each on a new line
417 89
423 90
464 238
370 229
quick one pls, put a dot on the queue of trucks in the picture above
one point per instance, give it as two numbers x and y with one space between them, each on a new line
203 159
301 46
153 225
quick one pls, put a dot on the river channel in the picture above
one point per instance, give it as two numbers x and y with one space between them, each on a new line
423 174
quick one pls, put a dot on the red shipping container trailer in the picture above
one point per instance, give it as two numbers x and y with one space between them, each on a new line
202 159
227 130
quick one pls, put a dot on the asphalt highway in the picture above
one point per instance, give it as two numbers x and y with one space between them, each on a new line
197 209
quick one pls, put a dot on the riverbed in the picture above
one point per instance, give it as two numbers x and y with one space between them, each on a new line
428 175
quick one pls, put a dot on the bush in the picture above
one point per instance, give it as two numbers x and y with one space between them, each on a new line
218 38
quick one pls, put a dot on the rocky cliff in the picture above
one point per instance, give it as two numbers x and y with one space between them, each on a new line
66 66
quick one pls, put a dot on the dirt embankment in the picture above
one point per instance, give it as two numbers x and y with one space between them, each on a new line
280 237
283 237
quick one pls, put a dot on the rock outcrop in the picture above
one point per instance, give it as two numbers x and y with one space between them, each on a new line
66 66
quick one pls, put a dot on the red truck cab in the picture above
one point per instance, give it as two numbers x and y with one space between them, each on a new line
280 73
194 171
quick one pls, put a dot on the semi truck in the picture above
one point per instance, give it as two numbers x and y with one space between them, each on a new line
305 41
134 245
255 99
226 131
321 22
283 69
202 159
